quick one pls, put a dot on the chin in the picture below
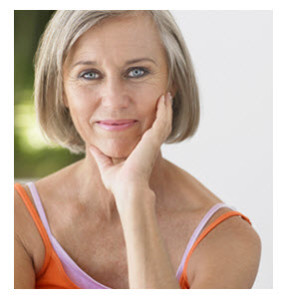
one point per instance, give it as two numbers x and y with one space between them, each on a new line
117 149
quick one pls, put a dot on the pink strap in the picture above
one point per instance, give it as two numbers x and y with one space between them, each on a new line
196 233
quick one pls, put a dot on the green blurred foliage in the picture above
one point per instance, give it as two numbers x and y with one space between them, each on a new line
33 157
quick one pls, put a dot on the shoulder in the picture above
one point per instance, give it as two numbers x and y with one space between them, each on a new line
26 231
190 194
228 257
23 222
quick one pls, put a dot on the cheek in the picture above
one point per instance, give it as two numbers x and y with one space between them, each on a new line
82 102
147 111
79 107
78 100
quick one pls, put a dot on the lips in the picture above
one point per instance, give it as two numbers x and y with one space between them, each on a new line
116 125
116 122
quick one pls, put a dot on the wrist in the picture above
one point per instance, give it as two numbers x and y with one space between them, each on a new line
135 190
134 199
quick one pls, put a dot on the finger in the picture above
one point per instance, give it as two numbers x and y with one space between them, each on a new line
159 112
169 112
163 123
148 148
101 159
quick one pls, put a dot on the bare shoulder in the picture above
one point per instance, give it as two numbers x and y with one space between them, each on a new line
228 257
193 195
29 249
26 230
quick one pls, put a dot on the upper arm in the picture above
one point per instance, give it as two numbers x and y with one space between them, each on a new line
228 257
24 274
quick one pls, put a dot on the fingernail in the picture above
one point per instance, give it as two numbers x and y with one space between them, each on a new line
169 96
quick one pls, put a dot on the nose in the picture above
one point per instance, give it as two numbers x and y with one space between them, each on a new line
113 94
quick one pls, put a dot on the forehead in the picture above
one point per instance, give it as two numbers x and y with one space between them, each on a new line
120 37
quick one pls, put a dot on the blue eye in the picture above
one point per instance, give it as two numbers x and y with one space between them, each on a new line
90 75
138 72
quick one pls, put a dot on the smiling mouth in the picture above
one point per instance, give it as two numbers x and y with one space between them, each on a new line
116 122
116 125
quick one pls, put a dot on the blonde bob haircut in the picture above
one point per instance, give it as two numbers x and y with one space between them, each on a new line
62 31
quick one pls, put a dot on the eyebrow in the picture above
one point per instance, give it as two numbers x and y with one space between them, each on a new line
129 62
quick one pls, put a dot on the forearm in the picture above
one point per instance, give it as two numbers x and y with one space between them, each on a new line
149 265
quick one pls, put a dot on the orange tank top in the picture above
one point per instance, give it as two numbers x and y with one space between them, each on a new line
52 274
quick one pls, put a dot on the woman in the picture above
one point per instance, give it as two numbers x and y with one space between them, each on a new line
122 217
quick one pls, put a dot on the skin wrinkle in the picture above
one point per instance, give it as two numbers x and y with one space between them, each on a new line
90 212
114 96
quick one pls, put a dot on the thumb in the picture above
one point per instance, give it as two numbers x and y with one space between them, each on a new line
101 159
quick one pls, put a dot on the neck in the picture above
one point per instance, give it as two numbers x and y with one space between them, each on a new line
93 195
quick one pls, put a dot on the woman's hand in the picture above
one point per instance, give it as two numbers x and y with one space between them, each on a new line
135 171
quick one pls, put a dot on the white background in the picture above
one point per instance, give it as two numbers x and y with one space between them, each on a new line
231 153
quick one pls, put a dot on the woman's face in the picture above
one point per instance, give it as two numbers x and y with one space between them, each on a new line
115 71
